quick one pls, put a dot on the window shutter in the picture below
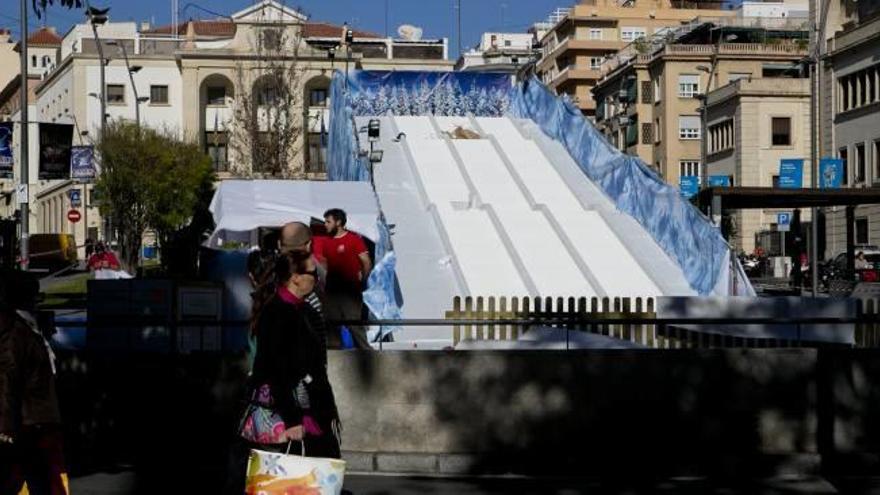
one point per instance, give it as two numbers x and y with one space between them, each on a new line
647 93
647 133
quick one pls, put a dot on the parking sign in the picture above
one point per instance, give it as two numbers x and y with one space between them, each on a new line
783 222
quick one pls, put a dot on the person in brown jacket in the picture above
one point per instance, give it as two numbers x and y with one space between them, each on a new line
30 439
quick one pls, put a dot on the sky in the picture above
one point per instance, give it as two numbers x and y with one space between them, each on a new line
436 17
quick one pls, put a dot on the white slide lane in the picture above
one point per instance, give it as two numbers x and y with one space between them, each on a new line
608 258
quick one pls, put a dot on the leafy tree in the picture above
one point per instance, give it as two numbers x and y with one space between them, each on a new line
149 179
40 5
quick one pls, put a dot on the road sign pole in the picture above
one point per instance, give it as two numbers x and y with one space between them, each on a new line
24 141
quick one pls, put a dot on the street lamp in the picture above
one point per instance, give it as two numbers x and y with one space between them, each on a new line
710 70
132 70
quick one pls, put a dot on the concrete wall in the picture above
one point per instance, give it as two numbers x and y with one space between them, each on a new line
579 413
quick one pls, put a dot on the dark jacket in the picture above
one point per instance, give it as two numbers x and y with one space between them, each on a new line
27 381
291 344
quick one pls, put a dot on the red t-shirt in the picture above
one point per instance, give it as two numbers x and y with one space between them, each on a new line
343 266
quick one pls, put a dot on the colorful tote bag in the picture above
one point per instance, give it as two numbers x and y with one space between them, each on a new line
271 473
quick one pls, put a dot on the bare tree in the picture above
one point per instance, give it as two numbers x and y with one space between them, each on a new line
268 125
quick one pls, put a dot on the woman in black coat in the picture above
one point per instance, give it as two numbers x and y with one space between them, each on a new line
290 400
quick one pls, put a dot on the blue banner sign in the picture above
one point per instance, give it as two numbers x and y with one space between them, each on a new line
791 173
7 161
689 185
82 163
377 93
719 181
830 173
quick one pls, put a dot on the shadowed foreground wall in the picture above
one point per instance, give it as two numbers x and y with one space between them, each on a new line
590 413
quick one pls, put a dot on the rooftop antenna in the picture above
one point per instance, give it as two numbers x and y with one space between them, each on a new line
175 13
386 17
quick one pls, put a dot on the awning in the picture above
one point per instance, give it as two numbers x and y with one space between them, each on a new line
241 206
742 198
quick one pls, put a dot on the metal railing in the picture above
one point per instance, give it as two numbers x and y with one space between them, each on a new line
644 329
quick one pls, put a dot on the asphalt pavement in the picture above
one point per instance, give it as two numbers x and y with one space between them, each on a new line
124 483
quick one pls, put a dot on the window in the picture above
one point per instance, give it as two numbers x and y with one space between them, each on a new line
159 95
317 153
33 60
596 62
657 90
271 39
860 163
45 61
507 43
647 133
216 148
858 89
876 155
216 95
116 94
862 231
736 76
843 154
689 168
647 97
781 131
775 181
318 97
689 127
630 34
595 34
658 129
721 136
688 85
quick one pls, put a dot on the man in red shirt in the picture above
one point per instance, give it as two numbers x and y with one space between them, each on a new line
348 266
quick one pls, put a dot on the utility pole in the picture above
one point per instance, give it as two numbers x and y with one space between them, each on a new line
459 28
817 40
25 142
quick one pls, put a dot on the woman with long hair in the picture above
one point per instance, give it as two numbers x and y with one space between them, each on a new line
290 399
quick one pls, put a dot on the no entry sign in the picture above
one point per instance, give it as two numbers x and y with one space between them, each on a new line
74 216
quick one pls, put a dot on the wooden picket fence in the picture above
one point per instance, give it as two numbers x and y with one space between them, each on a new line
868 334
654 336
502 308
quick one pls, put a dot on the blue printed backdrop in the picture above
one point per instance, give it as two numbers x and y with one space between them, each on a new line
429 93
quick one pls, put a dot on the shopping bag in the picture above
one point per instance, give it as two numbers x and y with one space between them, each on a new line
271 473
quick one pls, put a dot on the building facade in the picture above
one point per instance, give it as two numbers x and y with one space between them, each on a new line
851 105
575 48
754 123
500 52
649 101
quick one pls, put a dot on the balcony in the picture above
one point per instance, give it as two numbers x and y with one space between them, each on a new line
574 73
599 46
781 49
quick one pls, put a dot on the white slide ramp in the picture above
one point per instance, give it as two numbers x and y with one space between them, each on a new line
610 261
508 214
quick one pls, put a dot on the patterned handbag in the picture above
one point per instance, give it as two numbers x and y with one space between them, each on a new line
260 423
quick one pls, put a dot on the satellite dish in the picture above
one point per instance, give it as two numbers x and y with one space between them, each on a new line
409 32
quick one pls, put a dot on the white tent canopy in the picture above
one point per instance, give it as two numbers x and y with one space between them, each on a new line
240 207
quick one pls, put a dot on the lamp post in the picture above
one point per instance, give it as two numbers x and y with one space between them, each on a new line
23 148
704 127
98 17
132 70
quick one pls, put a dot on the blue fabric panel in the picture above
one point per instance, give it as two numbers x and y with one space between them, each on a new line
677 226
379 93
346 164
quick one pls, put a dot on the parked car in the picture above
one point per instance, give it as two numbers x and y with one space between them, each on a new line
52 251
836 268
